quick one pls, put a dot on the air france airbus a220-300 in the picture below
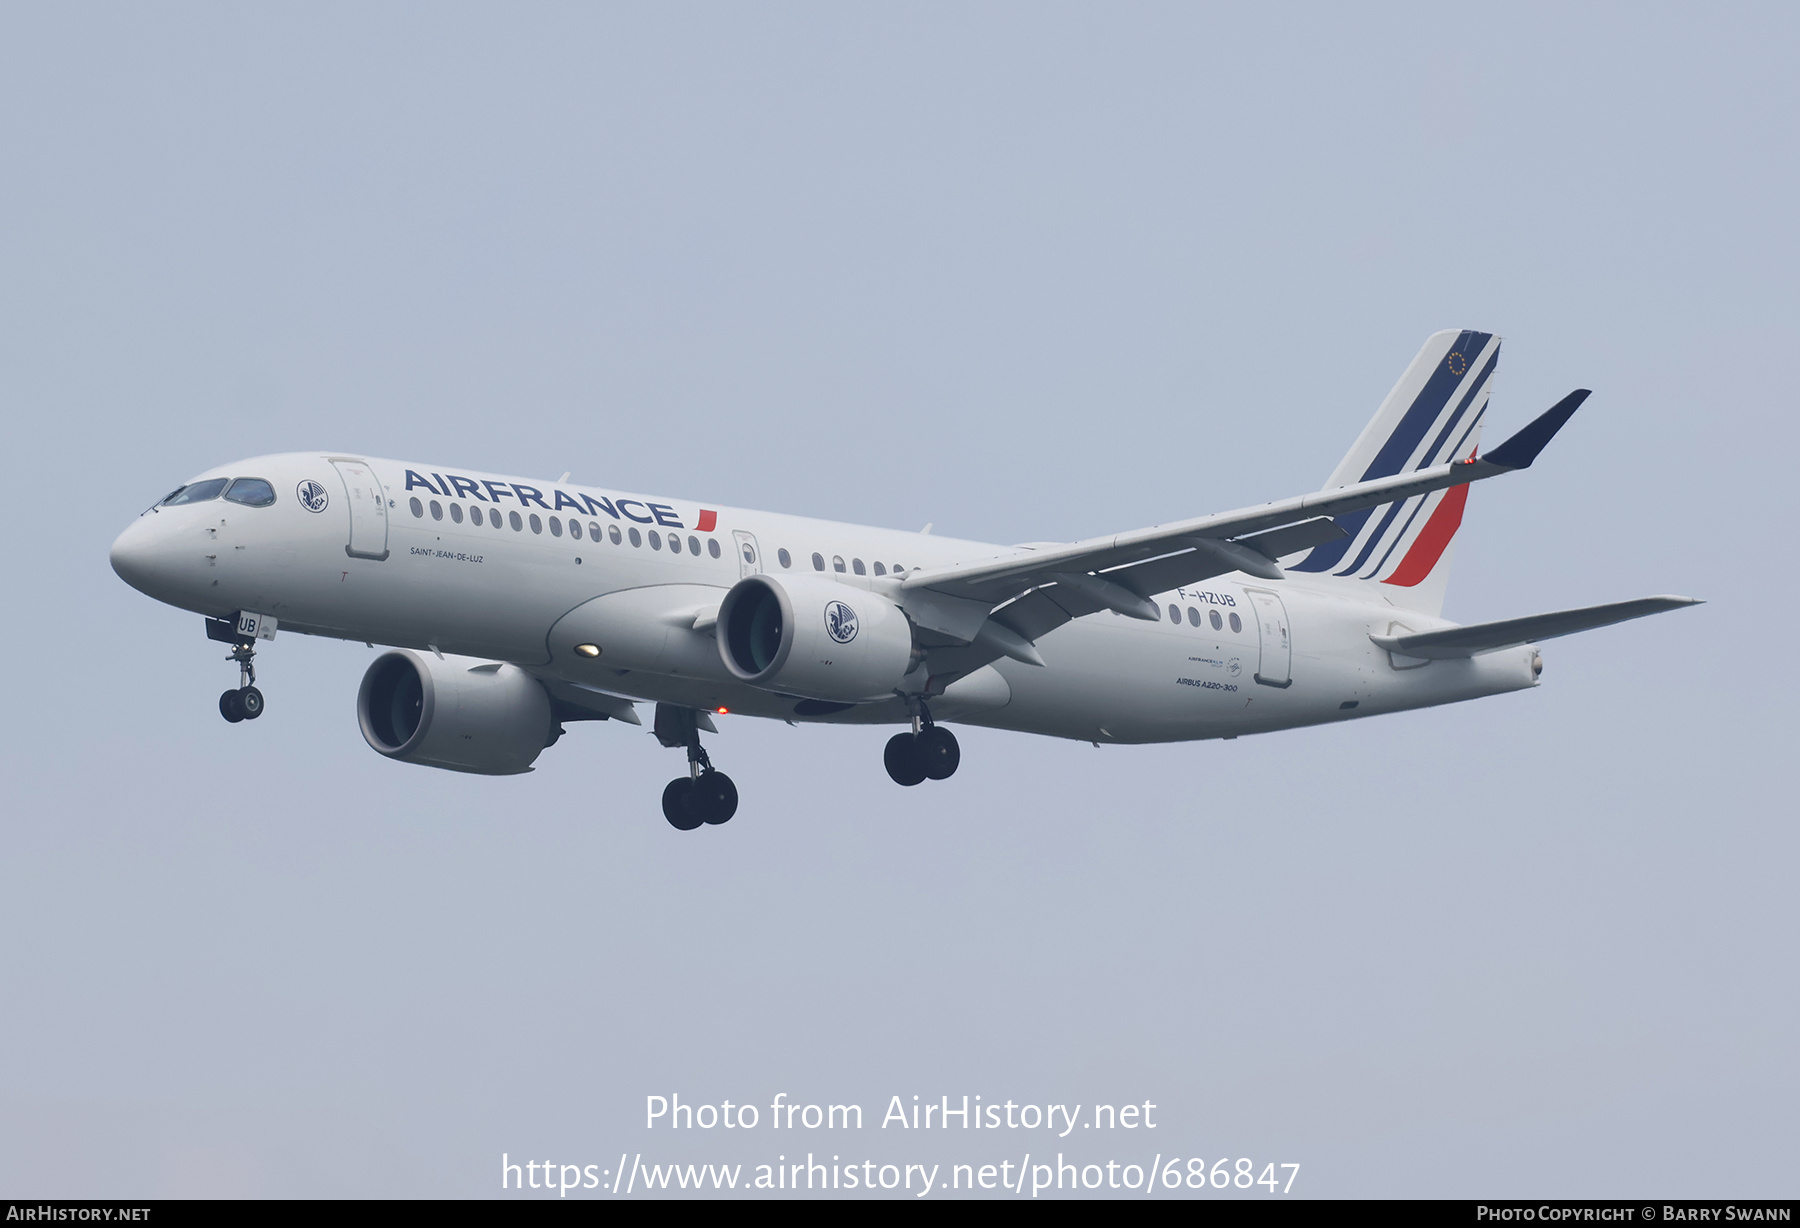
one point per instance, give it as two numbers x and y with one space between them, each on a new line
513 607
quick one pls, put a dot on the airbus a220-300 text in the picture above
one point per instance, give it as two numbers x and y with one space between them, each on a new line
513 607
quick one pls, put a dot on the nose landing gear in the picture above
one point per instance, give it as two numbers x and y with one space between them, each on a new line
705 795
929 752
246 702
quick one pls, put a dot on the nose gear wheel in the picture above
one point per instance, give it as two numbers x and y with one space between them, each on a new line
246 702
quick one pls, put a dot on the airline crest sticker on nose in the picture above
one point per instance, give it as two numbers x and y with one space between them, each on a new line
312 496
455 486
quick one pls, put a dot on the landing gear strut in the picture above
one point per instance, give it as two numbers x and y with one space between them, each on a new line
245 703
705 794
929 752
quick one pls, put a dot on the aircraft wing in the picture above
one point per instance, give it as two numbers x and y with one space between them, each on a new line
1121 571
573 701
1478 638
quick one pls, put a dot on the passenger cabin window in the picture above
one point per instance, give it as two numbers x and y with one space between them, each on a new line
1175 614
837 562
818 561
437 510
1194 616
555 525
712 546
880 570
1237 624
456 512
513 519
612 534
199 492
637 539
856 565
418 509
474 514
574 528
251 492
655 540
1216 621
537 526
787 560
693 545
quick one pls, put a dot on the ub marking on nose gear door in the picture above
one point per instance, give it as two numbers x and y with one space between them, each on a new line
1272 632
368 509
749 559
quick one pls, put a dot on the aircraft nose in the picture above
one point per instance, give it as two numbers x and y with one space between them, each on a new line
134 554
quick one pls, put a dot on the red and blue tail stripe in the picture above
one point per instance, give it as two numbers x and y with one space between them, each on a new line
1433 415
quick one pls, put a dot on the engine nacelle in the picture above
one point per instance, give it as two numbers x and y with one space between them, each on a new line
460 713
815 638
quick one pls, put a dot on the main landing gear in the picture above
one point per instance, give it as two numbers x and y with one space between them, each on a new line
929 752
245 703
705 794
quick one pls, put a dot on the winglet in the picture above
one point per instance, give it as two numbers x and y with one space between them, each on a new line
1523 448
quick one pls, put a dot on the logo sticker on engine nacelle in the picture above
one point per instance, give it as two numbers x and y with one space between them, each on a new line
840 622
312 496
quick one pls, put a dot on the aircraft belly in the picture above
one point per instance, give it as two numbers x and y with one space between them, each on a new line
648 629
1110 679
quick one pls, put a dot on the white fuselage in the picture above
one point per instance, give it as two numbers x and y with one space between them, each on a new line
366 567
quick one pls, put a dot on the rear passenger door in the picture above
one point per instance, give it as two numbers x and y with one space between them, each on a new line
749 557
1272 630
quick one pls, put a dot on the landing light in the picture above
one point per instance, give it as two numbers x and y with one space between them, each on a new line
723 711
587 650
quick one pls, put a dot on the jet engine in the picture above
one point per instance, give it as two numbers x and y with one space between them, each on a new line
812 637
460 713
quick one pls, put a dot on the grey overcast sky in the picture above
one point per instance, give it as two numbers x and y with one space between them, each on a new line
1030 272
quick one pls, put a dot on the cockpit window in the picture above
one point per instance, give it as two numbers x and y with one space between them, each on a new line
199 492
251 492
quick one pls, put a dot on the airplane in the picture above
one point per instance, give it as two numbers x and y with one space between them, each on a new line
510 608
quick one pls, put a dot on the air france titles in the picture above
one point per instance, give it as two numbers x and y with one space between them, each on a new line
455 486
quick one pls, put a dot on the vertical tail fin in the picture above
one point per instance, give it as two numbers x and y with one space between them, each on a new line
1433 415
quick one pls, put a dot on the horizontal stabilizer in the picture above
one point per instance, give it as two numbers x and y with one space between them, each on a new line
1509 633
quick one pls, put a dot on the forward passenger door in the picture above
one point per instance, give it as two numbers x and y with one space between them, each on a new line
368 509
